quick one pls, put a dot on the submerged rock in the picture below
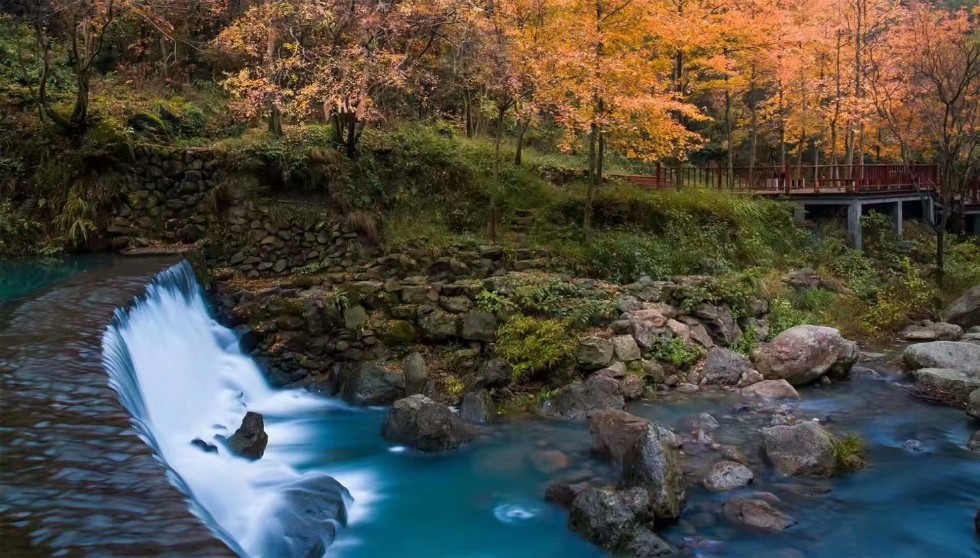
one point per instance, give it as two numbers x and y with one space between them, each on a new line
965 310
310 514
653 464
576 401
757 514
973 444
372 384
771 389
802 449
957 355
562 494
804 354
727 475
421 423
250 440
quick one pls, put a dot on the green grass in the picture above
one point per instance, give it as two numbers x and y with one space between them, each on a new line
849 453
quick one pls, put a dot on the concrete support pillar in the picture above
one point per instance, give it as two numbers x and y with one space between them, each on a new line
897 218
854 225
976 225
799 212
929 211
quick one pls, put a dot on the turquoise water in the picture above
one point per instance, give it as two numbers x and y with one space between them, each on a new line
487 498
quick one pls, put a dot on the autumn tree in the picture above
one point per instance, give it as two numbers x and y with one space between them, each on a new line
610 87
926 89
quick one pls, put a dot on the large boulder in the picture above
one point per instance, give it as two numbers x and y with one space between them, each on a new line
955 385
757 514
958 355
250 440
372 384
932 331
803 354
653 464
594 353
614 432
312 510
801 449
617 521
576 401
421 423
965 310
725 367
771 389
727 475
973 404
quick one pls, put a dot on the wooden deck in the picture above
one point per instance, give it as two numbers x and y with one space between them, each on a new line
803 180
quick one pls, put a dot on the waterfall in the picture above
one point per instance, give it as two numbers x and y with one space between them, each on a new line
182 377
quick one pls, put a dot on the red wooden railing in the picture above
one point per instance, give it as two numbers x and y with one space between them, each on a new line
805 179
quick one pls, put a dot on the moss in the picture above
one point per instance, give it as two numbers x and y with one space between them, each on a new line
678 352
397 332
849 453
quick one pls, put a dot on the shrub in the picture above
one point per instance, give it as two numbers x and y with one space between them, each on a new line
905 296
783 315
534 346
677 352
849 453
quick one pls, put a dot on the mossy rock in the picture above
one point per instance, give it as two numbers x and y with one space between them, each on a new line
398 332
149 124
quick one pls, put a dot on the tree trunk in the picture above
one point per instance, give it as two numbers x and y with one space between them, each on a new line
275 120
521 130
728 139
590 194
494 211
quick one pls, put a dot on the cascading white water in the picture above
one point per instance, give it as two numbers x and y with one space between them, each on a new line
182 377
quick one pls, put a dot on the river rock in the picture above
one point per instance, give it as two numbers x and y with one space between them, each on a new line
973 444
652 463
421 423
372 384
625 348
495 373
477 407
965 310
725 367
603 516
727 475
720 323
250 440
562 494
641 542
973 404
309 515
576 401
615 432
593 353
416 373
958 355
804 354
757 514
479 326
648 323
801 449
958 385
771 389
931 331
549 461
632 386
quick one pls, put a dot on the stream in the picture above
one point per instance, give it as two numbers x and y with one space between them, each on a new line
93 470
